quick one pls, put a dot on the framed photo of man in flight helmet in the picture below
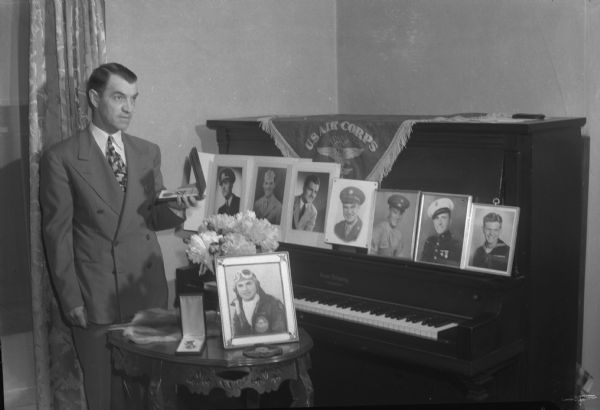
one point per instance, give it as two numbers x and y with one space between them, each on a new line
255 300
443 220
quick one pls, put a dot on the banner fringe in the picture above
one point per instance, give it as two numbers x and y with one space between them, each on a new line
387 160
266 124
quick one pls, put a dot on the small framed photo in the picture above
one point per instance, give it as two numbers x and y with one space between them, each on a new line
442 224
350 212
269 186
491 238
311 184
229 183
256 300
394 223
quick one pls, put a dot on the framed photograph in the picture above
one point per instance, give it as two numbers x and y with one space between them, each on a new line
442 224
256 300
394 223
228 187
310 190
491 238
269 186
350 212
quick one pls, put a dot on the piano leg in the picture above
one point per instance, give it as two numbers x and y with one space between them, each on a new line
302 388
478 387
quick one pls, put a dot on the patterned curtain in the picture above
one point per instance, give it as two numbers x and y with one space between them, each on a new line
67 42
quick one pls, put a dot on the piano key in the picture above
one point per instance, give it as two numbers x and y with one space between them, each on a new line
380 316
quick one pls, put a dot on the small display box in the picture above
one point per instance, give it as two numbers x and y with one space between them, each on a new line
193 326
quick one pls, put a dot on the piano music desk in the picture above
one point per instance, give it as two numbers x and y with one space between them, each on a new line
159 370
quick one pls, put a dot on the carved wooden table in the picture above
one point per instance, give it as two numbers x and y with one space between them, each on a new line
159 370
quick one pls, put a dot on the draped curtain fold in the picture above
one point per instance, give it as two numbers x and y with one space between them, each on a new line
67 41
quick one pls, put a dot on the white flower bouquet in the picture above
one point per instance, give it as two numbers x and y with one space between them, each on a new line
222 234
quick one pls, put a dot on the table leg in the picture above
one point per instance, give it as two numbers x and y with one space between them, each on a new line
162 395
302 388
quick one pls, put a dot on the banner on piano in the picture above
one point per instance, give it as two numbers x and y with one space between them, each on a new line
364 146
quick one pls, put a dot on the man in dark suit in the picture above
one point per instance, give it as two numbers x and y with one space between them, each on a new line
226 180
304 216
97 193
349 229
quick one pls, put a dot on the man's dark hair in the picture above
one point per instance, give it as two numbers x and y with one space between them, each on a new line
101 74
492 217
312 178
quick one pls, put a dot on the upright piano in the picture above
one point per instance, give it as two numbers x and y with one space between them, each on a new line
390 331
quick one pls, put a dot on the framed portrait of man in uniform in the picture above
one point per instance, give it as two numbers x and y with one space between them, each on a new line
269 186
491 238
350 212
230 178
443 221
310 189
255 299
394 223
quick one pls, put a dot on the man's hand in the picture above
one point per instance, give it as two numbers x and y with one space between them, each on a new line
78 316
182 203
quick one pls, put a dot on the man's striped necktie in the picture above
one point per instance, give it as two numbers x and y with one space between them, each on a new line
116 163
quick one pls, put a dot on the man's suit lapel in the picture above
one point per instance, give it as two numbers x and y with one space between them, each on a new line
94 168
133 155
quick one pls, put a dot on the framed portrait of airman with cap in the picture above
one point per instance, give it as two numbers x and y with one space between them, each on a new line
256 302
350 212
491 238
442 227
394 223
228 186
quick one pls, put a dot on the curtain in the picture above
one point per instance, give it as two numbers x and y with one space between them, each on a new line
67 41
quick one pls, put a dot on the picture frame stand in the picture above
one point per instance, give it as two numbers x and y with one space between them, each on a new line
193 326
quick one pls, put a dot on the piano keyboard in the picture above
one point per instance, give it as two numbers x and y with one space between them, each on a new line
395 319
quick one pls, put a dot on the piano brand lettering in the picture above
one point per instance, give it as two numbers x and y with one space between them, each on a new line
334 279
347 128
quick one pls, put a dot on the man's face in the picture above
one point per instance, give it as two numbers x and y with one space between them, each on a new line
491 230
268 187
114 107
394 216
226 186
310 192
350 211
441 222
246 289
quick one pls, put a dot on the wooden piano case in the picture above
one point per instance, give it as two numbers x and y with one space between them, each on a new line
529 324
